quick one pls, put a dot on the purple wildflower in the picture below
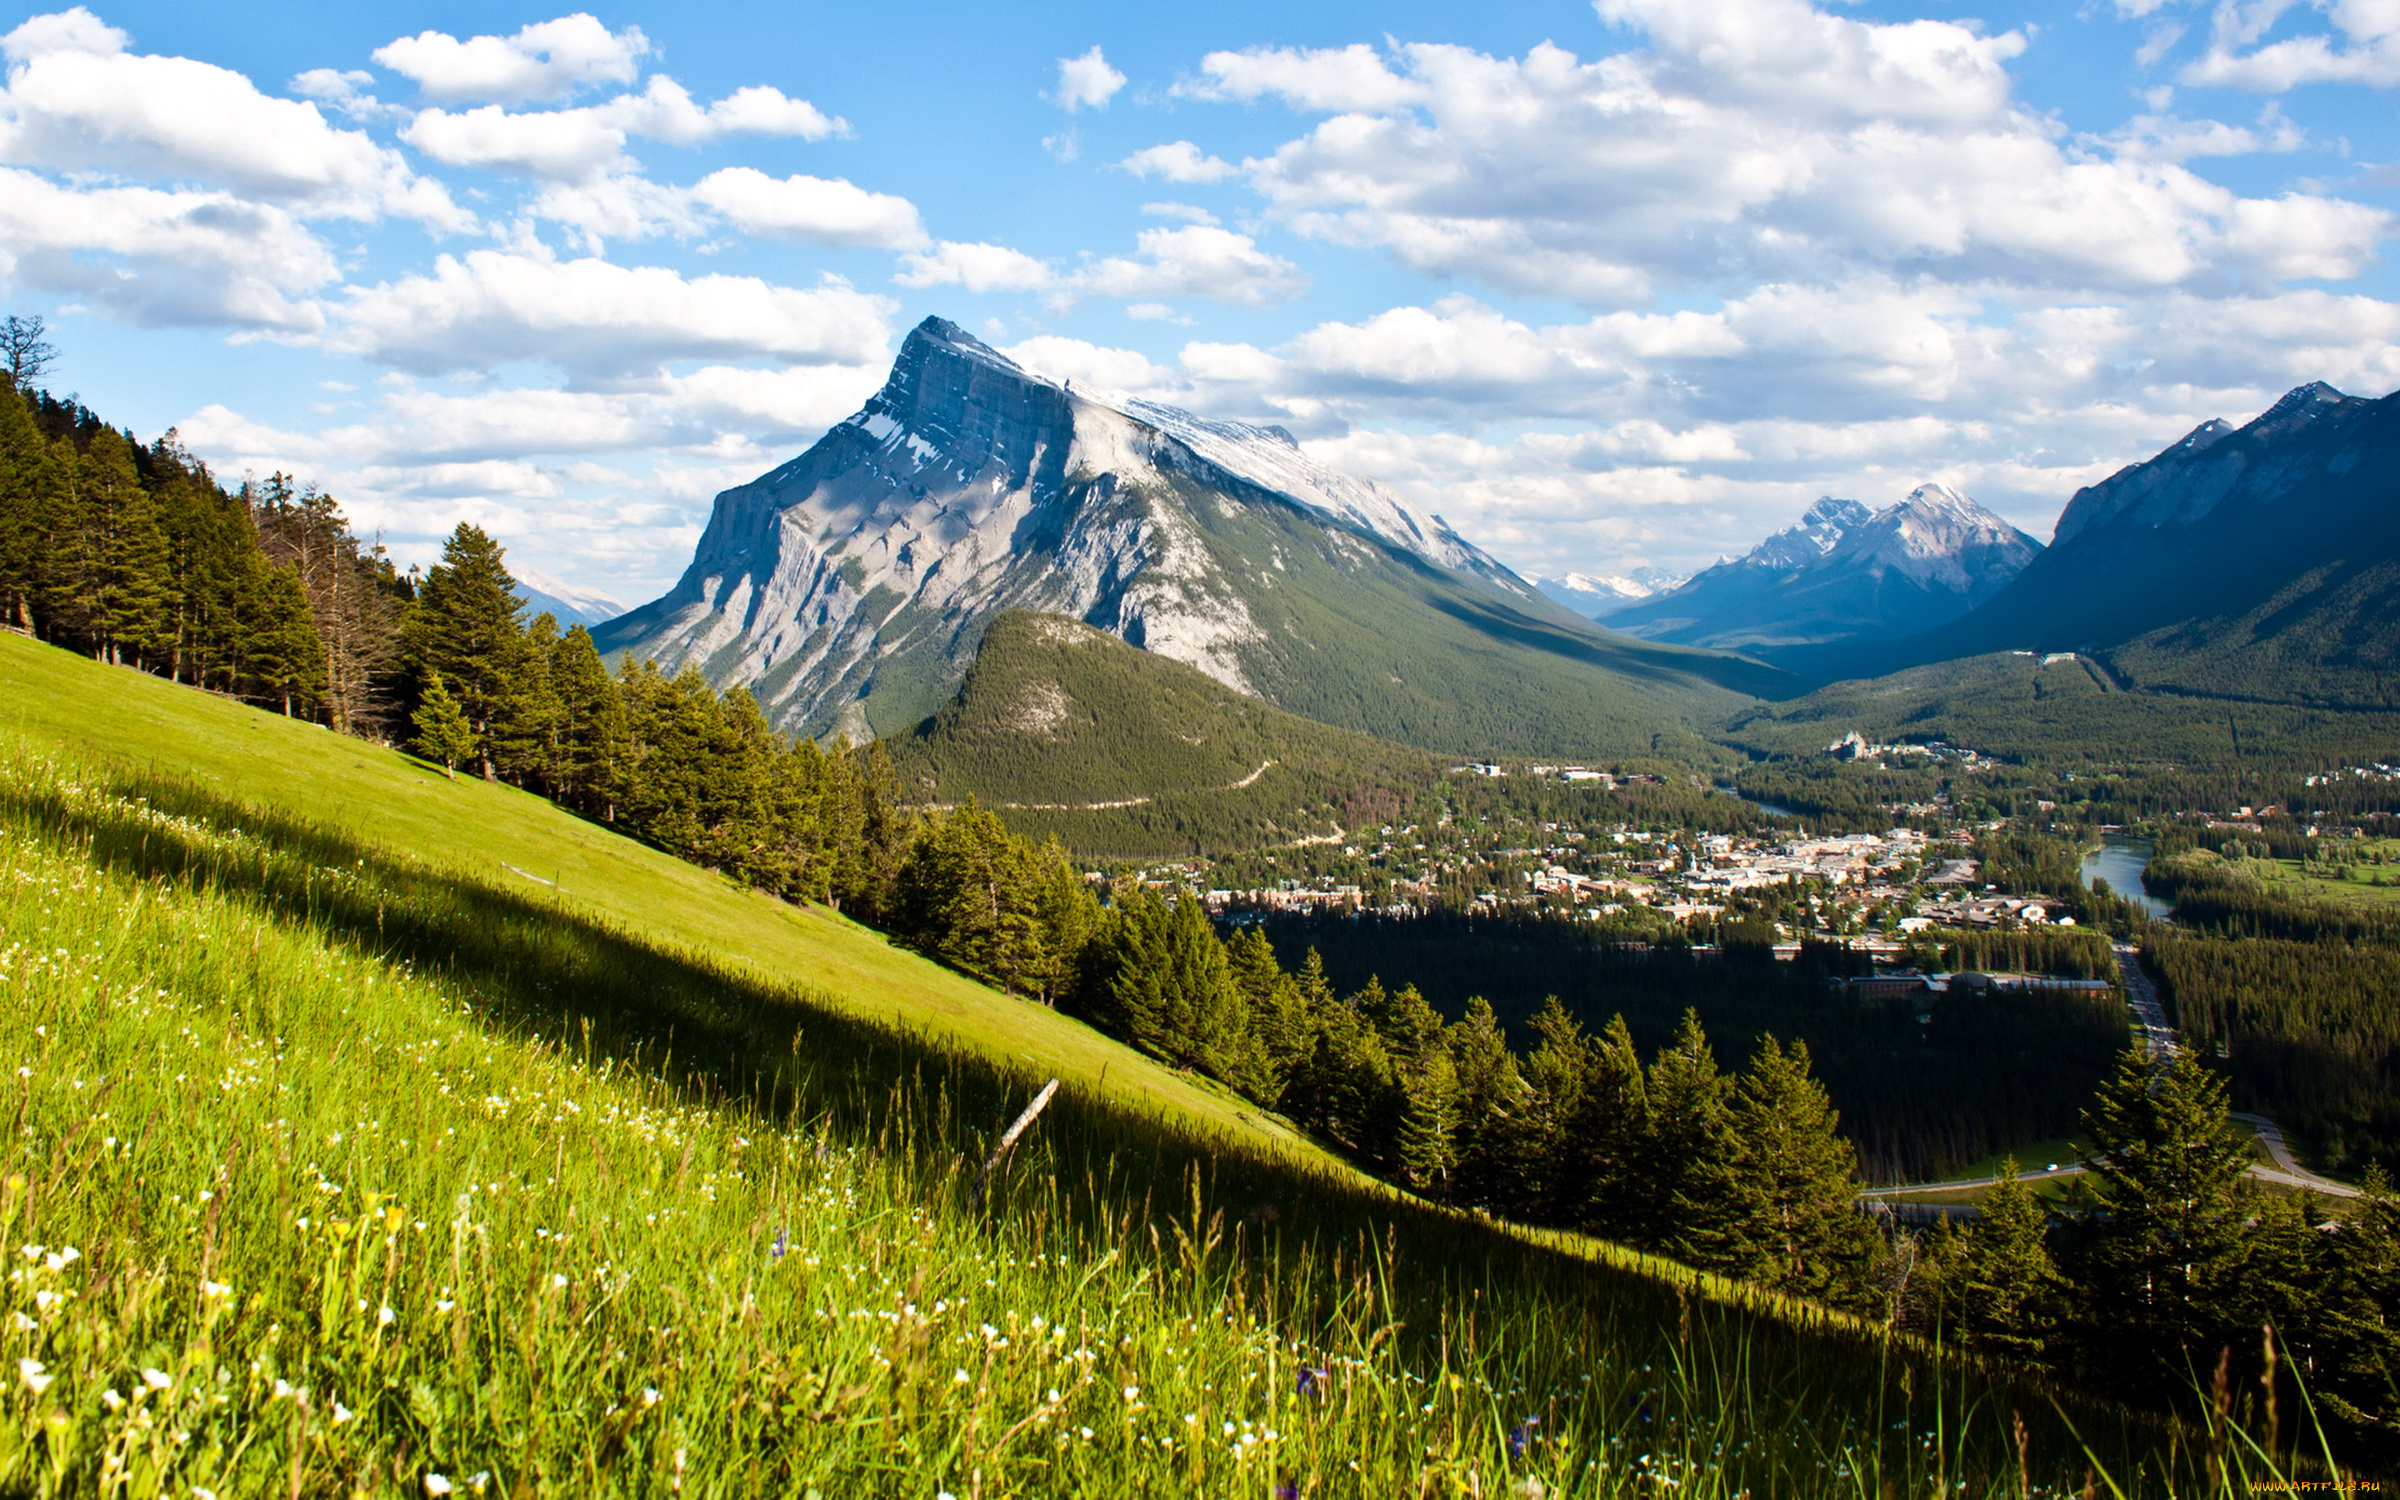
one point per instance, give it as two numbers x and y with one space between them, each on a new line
782 1245
1307 1385
1520 1439
1287 1488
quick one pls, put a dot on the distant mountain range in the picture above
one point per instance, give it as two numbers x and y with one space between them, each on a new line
1844 571
567 603
1593 597
849 588
2260 561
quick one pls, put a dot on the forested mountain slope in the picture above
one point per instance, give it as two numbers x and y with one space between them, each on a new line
849 588
1064 728
2250 562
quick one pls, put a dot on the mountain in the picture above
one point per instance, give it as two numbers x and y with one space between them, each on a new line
849 588
2261 561
1593 597
1842 572
1066 729
566 602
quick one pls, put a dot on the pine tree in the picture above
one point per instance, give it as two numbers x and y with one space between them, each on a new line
1609 1129
465 625
1426 1148
592 728
1690 1154
282 653
1551 1183
2357 1317
2158 1266
1489 1090
443 734
1796 1225
1999 1283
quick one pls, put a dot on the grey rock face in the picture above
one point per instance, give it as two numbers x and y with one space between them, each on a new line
2196 475
848 588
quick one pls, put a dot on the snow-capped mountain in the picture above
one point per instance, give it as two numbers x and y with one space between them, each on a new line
569 604
1843 572
2259 562
1593 595
848 588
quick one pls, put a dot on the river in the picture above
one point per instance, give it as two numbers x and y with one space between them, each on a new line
2120 862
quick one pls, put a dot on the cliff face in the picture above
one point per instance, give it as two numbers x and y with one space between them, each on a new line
849 588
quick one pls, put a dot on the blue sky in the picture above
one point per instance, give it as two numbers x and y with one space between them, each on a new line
1607 286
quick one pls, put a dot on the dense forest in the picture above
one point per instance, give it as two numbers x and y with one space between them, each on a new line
1918 1097
2301 1000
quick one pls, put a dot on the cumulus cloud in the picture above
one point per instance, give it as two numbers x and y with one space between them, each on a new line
819 210
1750 141
77 100
975 267
2363 48
180 258
1177 161
597 320
1201 261
1086 82
571 144
1329 79
547 60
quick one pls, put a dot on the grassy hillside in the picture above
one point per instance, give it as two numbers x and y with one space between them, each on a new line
2069 710
1068 730
517 842
347 1159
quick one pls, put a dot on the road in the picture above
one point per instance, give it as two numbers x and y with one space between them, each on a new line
2158 1037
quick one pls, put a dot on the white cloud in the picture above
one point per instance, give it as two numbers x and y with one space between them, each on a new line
573 144
1758 140
1189 213
548 60
597 320
824 211
977 267
1197 262
617 206
565 143
77 101
2364 48
1086 82
1109 369
1331 79
162 258
1177 161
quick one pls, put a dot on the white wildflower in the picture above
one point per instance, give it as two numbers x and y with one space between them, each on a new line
31 1371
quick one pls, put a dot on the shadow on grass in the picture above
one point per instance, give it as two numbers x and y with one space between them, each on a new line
1100 1166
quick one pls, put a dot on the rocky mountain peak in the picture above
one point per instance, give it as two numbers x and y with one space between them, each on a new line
2191 478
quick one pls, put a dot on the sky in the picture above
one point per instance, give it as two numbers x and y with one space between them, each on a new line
1608 286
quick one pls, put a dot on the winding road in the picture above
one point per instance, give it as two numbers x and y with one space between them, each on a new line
2158 1037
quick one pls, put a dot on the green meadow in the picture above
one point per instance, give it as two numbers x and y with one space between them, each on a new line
377 1134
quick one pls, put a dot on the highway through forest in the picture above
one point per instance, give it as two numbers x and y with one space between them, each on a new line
2158 1037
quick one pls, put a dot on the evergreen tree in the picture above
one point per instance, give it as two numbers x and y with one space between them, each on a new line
1796 1222
592 731
1426 1145
1489 1090
443 734
1609 1130
1279 1016
2357 1314
465 626
281 652
2158 1265
1999 1285
1690 1155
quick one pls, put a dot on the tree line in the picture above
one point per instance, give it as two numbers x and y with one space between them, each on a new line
136 554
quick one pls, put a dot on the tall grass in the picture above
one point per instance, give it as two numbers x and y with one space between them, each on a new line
328 1171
